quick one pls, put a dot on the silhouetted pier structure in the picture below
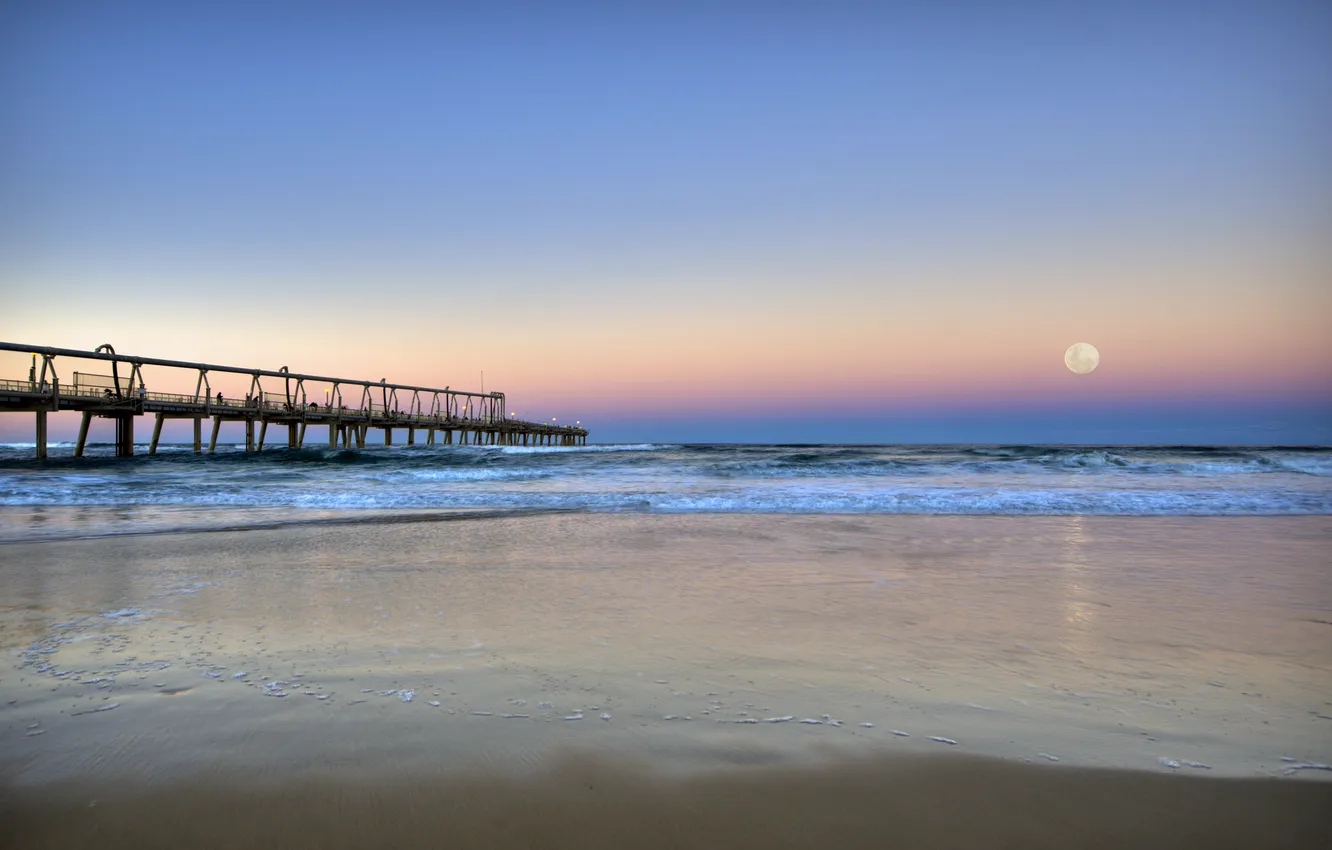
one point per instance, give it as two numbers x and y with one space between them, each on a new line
351 408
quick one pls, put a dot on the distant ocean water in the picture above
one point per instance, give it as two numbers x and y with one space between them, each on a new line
840 479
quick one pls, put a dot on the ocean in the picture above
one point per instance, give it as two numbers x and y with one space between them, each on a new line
180 487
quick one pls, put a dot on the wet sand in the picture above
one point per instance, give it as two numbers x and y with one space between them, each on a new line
898 801
879 673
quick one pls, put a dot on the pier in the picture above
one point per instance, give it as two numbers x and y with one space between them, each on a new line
350 410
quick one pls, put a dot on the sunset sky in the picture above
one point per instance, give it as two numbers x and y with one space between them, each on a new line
795 221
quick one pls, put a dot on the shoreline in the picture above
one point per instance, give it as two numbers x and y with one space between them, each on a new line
213 519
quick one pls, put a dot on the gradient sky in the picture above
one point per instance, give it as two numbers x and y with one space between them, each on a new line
800 222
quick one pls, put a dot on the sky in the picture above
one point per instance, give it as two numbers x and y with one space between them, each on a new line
727 222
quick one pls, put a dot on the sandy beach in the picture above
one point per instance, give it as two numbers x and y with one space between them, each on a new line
673 652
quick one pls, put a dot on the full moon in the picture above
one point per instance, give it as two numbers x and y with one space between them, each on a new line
1082 357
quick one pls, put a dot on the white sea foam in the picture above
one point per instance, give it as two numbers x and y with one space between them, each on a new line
607 447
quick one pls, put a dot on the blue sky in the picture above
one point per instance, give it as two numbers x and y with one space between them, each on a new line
691 214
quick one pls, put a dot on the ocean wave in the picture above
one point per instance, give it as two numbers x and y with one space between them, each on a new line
1011 462
911 500
668 477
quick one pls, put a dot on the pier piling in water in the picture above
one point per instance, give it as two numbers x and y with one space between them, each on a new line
41 434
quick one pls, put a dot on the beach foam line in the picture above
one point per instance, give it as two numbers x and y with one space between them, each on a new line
394 518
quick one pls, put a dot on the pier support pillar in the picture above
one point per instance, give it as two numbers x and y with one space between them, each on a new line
198 435
360 436
41 435
83 433
388 436
411 436
430 436
157 434
124 434
263 429
249 435
212 440
295 434
332 435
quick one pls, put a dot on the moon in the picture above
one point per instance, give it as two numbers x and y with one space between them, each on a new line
1082 357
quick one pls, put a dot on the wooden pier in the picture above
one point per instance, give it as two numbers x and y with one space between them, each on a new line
350 409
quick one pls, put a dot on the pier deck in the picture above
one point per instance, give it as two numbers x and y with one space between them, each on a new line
350 410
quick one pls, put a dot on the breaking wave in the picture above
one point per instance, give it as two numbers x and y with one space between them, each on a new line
1111 480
